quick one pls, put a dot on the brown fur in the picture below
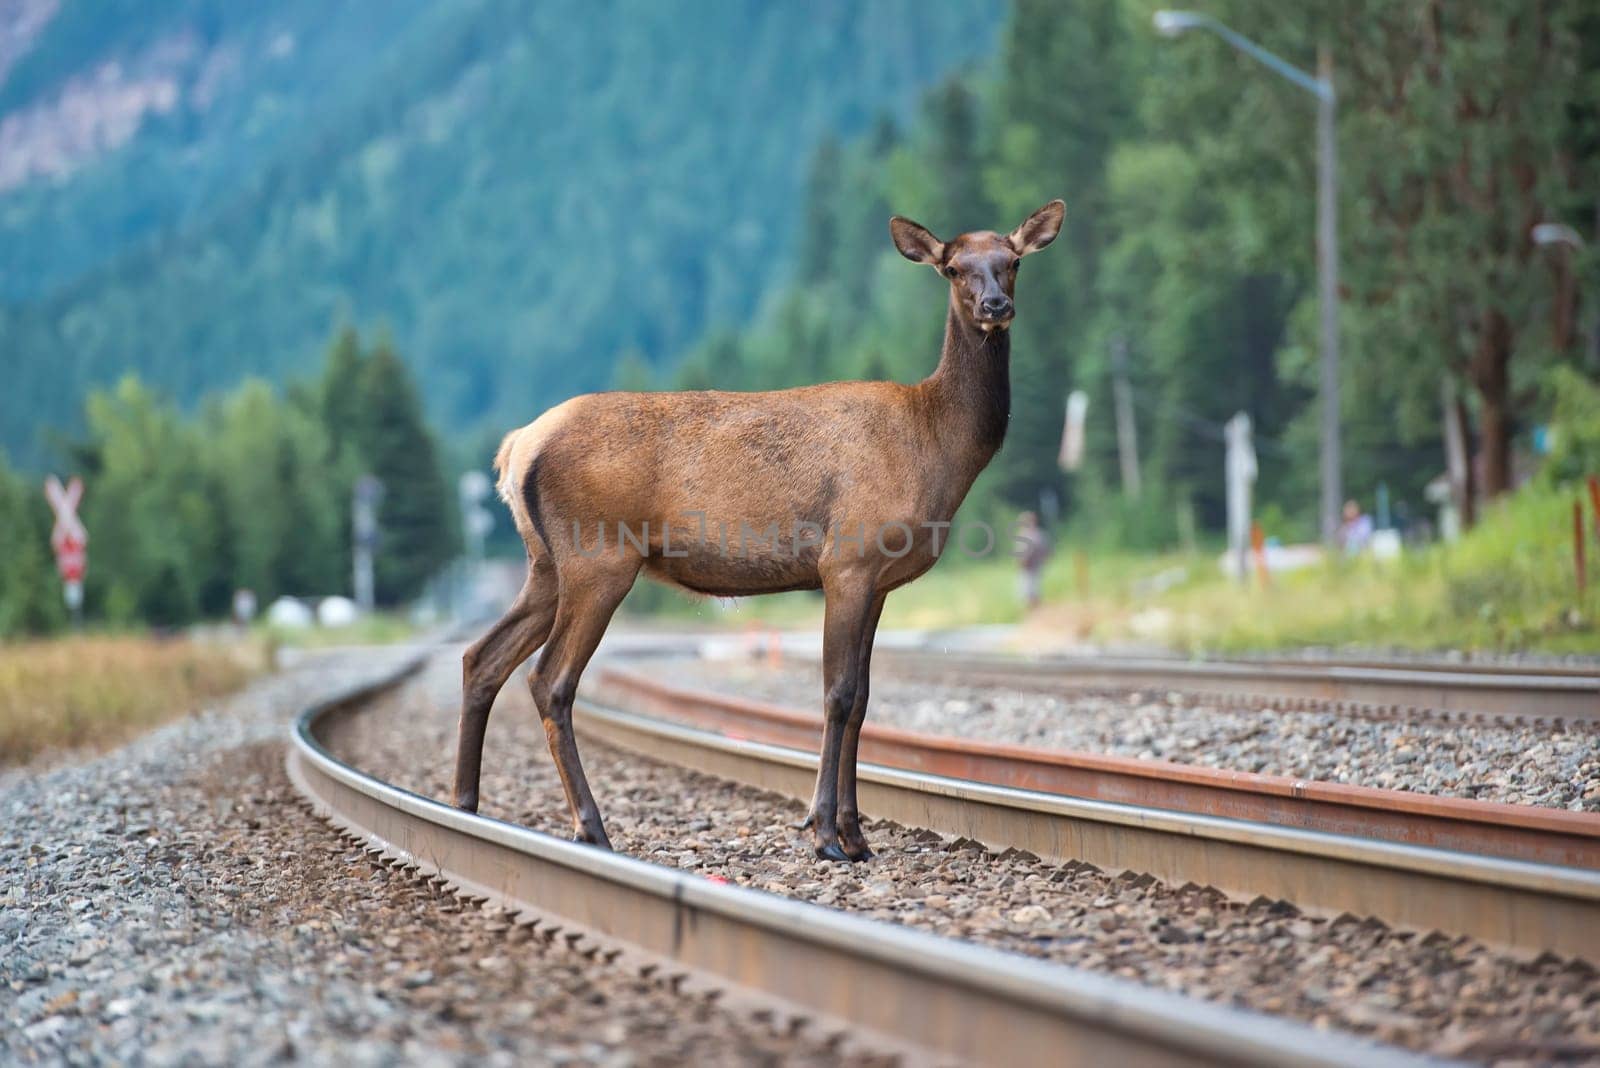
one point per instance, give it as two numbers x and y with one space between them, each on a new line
701 479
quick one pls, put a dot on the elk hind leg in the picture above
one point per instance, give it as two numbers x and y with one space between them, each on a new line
489 662
587 604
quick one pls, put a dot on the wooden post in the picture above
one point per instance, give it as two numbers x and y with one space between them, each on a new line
1578 540
1258 547
1594 499
1127 429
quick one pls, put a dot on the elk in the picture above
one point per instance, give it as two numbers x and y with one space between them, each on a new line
866 476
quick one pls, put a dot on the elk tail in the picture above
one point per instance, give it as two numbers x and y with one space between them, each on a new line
516 464
506 482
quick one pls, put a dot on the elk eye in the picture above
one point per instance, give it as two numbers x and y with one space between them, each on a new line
949 272
1016 263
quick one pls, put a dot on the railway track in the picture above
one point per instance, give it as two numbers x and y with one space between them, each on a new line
935 997
1512 832
1526 906
1555 695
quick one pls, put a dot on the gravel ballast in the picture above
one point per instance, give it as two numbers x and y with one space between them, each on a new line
1518 763
1450 996
173 902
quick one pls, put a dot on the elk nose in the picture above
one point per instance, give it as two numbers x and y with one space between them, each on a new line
995 307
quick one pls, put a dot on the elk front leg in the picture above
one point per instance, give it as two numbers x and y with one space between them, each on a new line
851 839
848 606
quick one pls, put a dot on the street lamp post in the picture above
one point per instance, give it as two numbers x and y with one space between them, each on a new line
1173 23
1546 234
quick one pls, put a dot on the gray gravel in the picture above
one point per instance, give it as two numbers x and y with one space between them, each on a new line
173 903
1519 764
1450 996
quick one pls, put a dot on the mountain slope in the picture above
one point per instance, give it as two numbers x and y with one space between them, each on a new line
522 192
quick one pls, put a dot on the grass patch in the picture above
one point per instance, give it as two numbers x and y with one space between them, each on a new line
96 691
1508 586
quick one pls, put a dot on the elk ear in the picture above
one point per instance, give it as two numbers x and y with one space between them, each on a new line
916 243
1039 229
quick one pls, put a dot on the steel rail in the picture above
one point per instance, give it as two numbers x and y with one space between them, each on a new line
1460 667
1517 832
1535 697
1523 907
941 997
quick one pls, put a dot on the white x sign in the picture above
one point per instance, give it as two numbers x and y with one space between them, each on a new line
64 502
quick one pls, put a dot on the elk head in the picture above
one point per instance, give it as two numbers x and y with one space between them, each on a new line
982 265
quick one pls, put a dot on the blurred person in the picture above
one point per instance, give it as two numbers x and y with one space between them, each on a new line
1356 531
1032 549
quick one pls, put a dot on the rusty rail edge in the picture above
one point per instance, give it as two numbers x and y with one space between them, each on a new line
1475 693
1515 832
1556 669
1522 907
941 997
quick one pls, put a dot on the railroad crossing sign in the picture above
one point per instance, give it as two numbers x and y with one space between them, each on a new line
68 537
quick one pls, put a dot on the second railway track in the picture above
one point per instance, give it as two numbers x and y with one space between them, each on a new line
1559 695
1532 907
1515 832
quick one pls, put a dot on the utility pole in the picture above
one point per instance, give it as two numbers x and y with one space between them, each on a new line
1174 23
1328 284
473 488
1239 467
1127 431
364 537
1457 456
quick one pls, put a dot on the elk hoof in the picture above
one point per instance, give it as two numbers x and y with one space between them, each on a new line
467 802
831 851
593 837
859 853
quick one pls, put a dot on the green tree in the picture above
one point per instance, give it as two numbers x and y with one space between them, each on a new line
1457 133
416 519
30 593
282 500
819 218
1484 125
955 156
1062 102
150 510
339 391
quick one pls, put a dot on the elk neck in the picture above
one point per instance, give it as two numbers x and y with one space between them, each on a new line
969 393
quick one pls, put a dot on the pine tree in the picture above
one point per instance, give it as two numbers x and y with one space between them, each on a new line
282 499
416 517
340 388
955 157
1062 102
819 220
